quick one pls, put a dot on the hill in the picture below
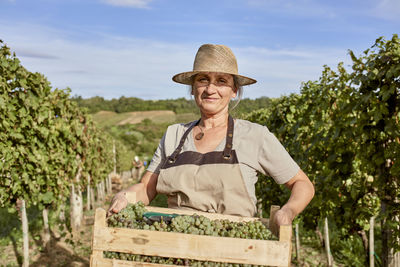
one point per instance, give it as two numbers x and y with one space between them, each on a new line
109 118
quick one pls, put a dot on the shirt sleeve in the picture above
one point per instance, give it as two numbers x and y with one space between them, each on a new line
275 160
158 158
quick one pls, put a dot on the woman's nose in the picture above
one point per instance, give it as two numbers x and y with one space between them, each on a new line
211 88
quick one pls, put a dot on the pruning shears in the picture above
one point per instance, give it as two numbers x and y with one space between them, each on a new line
151 217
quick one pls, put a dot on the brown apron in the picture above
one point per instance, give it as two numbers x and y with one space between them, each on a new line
210 182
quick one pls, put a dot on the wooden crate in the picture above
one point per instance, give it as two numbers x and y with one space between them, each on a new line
179 245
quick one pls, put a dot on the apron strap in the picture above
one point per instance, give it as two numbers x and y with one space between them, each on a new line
174 155
228 144
229 139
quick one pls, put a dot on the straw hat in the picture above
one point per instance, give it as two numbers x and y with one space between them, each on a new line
213 58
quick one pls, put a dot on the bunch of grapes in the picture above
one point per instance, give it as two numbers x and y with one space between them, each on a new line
200 225
132 217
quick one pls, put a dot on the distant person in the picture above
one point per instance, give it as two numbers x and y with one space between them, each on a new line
137 169
211 164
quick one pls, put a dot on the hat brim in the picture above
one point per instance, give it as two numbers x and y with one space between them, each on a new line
186 78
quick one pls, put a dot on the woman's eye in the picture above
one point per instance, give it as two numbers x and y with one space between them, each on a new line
222 80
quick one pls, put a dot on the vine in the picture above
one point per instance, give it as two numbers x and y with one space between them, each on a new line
344 130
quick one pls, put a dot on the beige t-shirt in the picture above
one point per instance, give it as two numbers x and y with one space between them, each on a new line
257 150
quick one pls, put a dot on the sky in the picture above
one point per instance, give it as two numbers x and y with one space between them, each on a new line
132 48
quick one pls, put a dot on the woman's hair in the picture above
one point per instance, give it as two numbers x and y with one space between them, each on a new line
239 90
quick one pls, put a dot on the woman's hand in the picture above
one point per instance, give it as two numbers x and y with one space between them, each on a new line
302 191
144 191
284 216
118 203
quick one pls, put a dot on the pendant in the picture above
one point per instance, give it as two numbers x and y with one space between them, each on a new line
199 136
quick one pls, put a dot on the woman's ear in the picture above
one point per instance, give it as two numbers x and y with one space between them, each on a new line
235 91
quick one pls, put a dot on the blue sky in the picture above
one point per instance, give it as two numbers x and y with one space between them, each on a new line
132 48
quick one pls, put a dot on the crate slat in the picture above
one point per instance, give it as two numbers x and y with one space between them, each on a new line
102 262
177 245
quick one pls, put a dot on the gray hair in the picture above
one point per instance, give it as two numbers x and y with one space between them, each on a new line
239 92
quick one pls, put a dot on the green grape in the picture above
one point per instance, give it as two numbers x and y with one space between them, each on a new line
132 217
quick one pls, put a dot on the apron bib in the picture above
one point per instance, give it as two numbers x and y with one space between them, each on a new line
210 182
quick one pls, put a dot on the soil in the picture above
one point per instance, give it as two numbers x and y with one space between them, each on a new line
59 252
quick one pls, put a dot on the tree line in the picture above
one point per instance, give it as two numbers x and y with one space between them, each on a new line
179 105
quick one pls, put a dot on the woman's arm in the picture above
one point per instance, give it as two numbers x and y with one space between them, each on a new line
145 192
302 191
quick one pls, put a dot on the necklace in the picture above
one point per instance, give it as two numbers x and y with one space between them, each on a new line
200 135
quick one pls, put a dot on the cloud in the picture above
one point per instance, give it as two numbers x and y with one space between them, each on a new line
387 9
113 66
35 54
128 3
295 8
282 71
110 66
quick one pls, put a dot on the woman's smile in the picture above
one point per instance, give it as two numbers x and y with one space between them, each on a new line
213 91
210 99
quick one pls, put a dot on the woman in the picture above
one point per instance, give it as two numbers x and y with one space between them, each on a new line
211 164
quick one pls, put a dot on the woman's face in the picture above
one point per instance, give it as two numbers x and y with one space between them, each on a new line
212 92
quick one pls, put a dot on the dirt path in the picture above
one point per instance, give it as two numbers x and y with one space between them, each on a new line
59 253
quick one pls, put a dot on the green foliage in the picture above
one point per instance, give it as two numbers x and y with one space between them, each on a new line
344 130
29 116
10 224
124 155
344 249
127 104
377 102
45 139
141 139
247 105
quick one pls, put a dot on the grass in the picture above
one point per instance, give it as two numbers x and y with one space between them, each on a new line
186 117
109 118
